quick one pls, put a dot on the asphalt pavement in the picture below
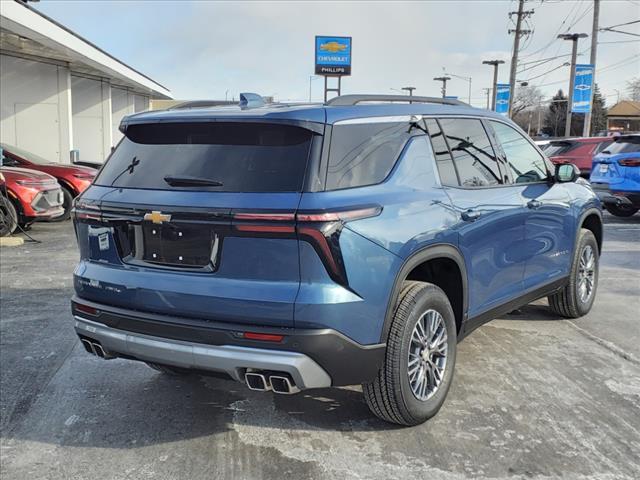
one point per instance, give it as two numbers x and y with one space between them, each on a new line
534 396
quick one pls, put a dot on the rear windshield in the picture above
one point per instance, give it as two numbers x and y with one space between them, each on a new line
234 157
628 145
558 148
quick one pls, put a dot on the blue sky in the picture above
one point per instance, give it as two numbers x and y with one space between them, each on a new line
211 49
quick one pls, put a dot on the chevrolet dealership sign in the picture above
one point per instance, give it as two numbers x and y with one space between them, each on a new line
333 55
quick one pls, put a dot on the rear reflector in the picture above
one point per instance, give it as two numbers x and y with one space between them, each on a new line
265 337
85 308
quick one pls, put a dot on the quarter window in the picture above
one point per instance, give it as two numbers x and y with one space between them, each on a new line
364 153
524 161
472 152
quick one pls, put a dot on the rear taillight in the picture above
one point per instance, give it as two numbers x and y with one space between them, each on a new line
82 210
629 162
319 228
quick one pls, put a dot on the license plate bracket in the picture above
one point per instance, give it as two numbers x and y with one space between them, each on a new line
178 245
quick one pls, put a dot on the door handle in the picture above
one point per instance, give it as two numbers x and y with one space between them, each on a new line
533 204
470 215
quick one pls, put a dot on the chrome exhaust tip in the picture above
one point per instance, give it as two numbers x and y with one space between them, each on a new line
88 346
99 350
283 385
257 381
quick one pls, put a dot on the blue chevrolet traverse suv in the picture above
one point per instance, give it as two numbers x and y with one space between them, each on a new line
306 246
615 176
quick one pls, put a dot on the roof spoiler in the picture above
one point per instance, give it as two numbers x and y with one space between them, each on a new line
350 100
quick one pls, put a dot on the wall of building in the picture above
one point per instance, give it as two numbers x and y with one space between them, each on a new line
91 106
49 110
35 107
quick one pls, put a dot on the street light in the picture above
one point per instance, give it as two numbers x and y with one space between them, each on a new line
574 52
468 79
444 80
495 64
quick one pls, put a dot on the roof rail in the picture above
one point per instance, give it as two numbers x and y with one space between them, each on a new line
350 100
202 104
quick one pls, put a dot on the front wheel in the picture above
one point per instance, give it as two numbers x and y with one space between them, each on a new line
413 382
576 298
621 210
8 217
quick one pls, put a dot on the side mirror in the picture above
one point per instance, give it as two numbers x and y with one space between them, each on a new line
566 172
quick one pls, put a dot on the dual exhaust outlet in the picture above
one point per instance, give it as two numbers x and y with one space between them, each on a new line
264 382
94 348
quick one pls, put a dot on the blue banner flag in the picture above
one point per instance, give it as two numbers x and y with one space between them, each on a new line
581 102
503 92
333 55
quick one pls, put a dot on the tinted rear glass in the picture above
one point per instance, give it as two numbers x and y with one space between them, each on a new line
243 157
628 145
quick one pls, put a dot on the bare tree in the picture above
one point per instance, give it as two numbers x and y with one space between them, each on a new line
526 98
633 89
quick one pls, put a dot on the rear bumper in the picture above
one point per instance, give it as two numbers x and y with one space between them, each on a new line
610 196
314 358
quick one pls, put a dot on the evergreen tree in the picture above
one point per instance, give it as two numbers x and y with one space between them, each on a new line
599 113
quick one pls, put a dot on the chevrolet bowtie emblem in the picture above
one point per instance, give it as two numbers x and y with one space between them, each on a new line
157 217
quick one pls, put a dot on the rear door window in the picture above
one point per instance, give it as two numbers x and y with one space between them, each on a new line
473 155
236 157
444 160
364 153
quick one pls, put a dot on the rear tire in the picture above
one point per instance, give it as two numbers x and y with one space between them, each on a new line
413 382
573 300
621 211
168 370
8 217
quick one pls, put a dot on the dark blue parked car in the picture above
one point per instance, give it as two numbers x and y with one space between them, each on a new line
308 246
616 176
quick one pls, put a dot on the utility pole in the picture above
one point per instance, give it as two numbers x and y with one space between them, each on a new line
488 92
586 131
495 64
519 32
572 78
444 84
410 90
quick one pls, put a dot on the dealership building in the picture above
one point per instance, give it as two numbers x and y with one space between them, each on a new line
60 93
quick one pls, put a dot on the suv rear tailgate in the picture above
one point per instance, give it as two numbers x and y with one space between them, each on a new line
195 251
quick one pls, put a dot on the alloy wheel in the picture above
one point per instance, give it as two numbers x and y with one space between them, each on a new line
427 355
586 273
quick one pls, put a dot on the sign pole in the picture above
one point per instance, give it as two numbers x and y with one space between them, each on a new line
333 59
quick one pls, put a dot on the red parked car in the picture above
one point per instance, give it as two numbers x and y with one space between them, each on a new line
27 196
579 151
73 179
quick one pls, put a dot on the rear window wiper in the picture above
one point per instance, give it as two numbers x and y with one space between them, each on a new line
186 181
